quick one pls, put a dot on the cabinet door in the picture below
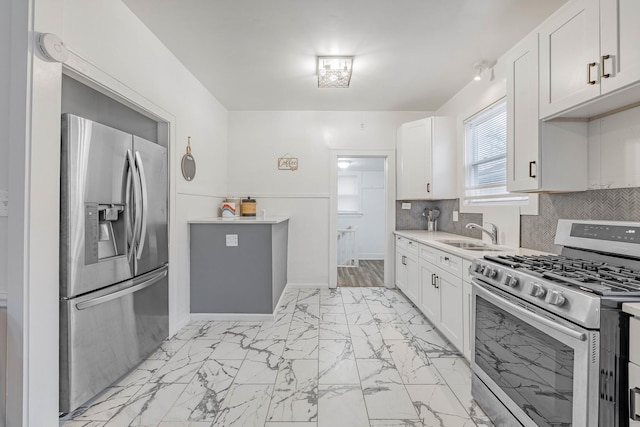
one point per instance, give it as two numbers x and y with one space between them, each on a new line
569 57
523 124
634 395
620 33
401 271
467 329
413 278
430 296
414 151
451 317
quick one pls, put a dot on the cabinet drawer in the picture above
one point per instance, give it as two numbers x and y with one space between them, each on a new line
428 253
401 243
449 263
634 342
413 247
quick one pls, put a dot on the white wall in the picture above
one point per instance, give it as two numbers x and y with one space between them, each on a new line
258 138
370 224
471 99
109 38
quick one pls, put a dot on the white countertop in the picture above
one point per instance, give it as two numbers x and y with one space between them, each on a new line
632 308
240 220
431 238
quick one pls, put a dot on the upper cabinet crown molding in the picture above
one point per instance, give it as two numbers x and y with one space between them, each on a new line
589 58
426 153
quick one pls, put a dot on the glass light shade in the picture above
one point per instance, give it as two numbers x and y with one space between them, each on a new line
334 71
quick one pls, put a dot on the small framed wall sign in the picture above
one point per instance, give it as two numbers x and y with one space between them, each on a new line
287 163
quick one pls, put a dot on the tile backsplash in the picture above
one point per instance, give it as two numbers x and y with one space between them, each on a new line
412 219
538 231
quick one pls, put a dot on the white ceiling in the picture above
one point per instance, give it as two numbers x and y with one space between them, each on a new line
410 55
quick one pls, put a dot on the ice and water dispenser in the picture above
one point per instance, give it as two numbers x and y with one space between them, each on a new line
105 231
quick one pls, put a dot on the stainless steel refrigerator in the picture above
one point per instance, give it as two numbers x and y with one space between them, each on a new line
113 256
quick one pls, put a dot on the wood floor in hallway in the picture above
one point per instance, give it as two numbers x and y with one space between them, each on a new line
369 273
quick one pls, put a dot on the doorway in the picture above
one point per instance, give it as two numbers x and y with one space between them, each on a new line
362 211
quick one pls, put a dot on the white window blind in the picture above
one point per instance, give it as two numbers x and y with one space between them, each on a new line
486 157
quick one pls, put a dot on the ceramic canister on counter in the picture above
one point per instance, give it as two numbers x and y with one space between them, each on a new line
228 210
248 207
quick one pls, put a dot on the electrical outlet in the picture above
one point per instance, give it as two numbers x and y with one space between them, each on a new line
455 216
232 240
406 206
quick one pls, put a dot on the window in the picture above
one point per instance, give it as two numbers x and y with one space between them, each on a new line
486 157
349 197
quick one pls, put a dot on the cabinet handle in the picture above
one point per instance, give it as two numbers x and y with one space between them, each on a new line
589 66
605 75
633 393
531 165
437 282
428 187
403 260
446 258
433 279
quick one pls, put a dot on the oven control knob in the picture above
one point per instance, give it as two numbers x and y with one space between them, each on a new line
479 268
556 298
537 290
509 280
490 272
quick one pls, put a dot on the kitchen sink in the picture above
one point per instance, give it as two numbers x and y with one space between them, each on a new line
471 246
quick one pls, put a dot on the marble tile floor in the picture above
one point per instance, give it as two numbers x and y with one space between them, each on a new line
347 357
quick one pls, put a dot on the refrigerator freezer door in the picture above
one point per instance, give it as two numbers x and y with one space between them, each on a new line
106 333
93 178
152 248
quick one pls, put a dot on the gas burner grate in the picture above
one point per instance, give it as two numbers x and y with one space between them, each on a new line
592 276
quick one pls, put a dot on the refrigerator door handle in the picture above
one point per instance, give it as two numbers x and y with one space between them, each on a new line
131 224
137 285
143 182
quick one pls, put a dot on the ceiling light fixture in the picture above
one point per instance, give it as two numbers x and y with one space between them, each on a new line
334 71
344 164
480 66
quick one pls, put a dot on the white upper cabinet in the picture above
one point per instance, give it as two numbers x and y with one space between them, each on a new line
619 41
426 159
569 52
523 126
541 156
589 48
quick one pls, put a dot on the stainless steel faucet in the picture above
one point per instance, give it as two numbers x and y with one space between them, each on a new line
493 233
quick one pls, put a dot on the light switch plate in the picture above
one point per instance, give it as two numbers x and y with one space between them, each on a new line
406 206
4 203
455 216
232 240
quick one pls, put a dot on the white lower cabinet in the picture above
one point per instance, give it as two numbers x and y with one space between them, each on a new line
438 283
430 298
441 294
407 272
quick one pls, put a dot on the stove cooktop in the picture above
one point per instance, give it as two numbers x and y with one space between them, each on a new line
600 278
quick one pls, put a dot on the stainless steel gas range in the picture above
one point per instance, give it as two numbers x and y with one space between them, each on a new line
551 340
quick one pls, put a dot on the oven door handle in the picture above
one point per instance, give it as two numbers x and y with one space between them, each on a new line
501 302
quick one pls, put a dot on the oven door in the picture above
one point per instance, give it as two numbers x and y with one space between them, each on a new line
542 368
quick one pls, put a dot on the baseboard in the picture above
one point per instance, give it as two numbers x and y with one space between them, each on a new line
180 324
233 317
307 285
